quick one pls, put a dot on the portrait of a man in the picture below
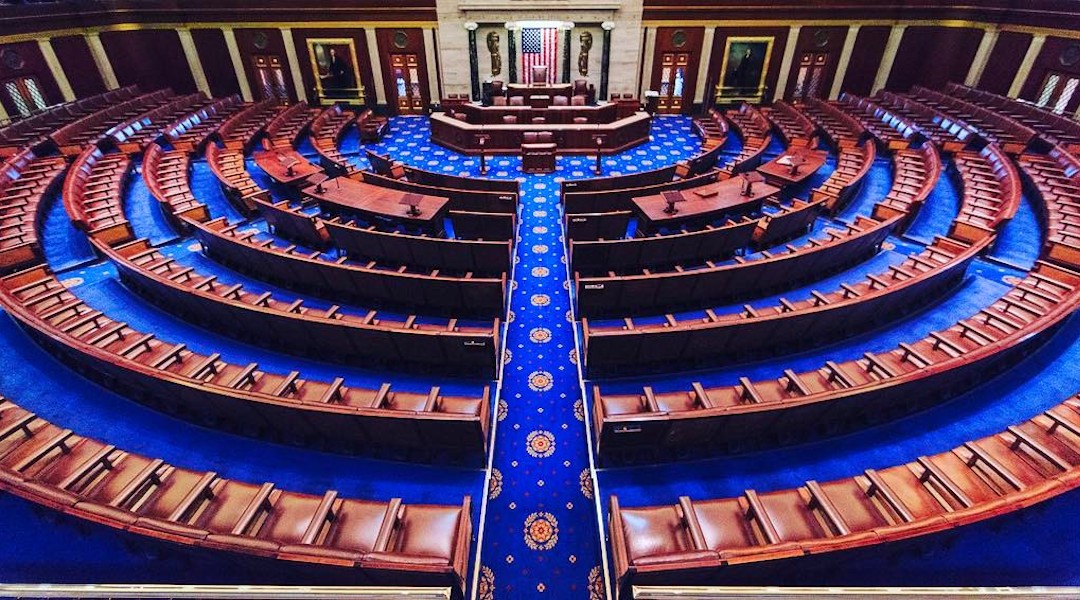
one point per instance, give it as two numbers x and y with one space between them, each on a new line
744 66
334 67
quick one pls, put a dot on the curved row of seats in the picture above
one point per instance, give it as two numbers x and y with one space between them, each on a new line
475 194
712 129
1056 177
893 131
231 172
73 138
92 192
387 543
242 398
841 128
325 134
1053 127
992 193
753 129
794 127
1013 137
240 131
698 286
25 179
285 130
166 173
703 541
191 132
788 326
133 135
869 389
31 132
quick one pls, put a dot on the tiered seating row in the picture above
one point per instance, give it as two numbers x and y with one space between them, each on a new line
892 130
1056 176
950 135
92 193
699 541
1052 126
852 166
789 326
166 175
753 128
133 135
712 128
239 131
843 129
695 286
326 132
286 129
231 172
71 139
241 398
794 127
190 133
475 194
294 268
1013 137
915 174
873 388
24 181
992 193
29 132
388 543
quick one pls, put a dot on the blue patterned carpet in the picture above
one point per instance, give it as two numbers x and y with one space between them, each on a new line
540 537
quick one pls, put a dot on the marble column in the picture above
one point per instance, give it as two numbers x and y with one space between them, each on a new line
566 54
474 67
511 51
605 59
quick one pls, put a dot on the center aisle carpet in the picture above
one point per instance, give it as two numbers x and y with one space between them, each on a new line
540 538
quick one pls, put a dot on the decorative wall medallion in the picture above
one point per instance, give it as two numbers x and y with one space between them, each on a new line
260 40
1070 55
12 59
678 38
401 39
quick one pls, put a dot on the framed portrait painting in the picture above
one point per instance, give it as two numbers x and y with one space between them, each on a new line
334 67
742 76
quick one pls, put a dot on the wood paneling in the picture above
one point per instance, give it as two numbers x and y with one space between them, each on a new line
810 40
151 58
266 42
216 64
933 56
865 59
1050 59
32 65
666 42
1004 61
78 64
414 44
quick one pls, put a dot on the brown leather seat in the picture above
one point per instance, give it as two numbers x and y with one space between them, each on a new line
509 120
498 101
581 120
539 75
578 100
538 152
517 101
560 101
539 120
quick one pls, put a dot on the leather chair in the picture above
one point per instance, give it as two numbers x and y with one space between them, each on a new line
581 87
577 101
539 120
540 75
581 120
538 152
498 101
560 101
517 101
509 120
497 88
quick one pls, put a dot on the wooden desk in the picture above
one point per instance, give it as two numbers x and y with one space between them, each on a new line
356 197
275 163
569 138
727 201
528 90
780 174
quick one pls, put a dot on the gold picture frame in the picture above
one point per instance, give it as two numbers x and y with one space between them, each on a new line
741 83
332 84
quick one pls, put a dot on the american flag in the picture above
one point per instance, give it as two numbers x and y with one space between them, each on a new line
539 47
